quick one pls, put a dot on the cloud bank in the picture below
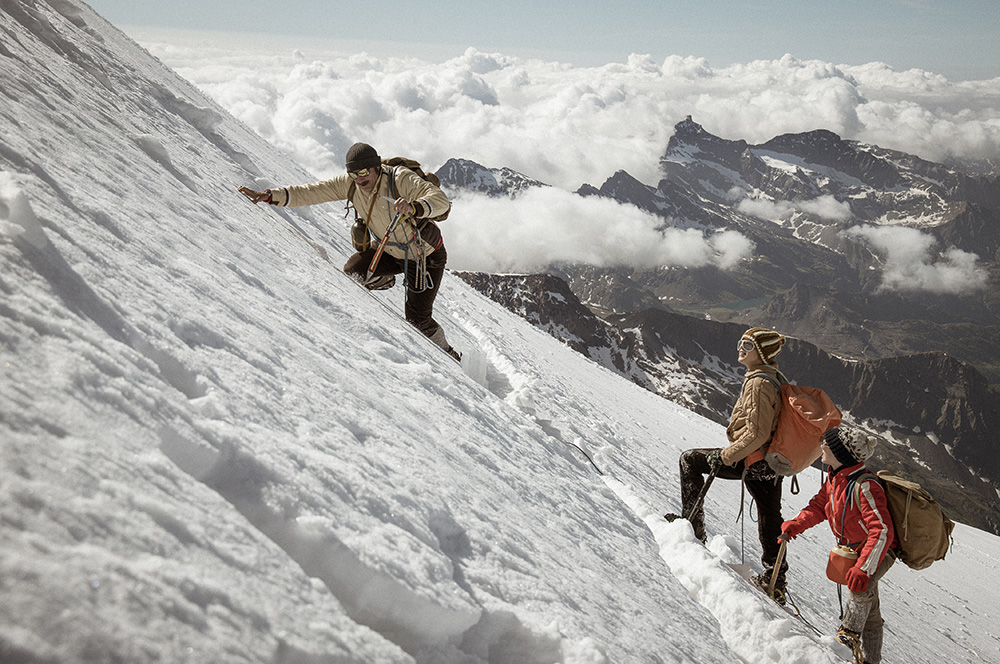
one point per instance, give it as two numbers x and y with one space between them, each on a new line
572 125
546 226
567 126
911 264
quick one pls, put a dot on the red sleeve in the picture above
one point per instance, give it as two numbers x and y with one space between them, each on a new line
814 512
878 522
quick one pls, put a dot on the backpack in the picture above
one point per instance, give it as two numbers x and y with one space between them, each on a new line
923 530
806 413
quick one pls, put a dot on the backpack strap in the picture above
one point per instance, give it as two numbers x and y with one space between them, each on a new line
854 486
777 382
350 201
351 206
393 192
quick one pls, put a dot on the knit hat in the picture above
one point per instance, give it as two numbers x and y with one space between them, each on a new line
362 155
767 342
849 447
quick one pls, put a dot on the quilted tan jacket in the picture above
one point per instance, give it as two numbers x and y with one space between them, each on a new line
755 415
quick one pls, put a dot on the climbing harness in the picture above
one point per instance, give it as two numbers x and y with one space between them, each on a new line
412 247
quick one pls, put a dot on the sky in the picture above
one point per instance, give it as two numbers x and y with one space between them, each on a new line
960 40
216 447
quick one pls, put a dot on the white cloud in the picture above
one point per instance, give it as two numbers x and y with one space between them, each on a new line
570 125
825 207
544 226
910 264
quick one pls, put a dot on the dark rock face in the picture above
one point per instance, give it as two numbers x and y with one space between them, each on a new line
462 174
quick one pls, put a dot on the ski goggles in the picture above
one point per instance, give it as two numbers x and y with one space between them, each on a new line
745 344
359 174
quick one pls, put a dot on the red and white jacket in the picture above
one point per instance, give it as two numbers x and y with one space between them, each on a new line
865 525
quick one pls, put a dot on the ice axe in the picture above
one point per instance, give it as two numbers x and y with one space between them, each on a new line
381 249
699 499
696 505
777 566
385 240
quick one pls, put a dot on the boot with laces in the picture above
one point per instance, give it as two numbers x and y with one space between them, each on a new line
852 640
385 282
763 581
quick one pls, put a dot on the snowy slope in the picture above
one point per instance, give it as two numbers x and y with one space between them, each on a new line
217 448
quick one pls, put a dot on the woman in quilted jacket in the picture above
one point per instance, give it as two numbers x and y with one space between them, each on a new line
751 427
854 504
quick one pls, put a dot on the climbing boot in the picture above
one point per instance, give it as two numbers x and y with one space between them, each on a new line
763 581
385 282
852 640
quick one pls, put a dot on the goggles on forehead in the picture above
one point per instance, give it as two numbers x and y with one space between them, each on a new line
360 173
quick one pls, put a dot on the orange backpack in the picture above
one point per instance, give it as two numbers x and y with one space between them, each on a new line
806 413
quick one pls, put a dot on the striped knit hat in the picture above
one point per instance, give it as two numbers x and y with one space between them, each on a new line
767 342
849 447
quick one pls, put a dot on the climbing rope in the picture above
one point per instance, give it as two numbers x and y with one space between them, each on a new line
798 612
584 452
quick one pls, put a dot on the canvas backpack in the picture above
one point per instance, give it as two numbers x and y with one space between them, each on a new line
806 413
923 530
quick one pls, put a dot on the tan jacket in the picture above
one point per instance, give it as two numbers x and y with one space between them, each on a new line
755 415
429 201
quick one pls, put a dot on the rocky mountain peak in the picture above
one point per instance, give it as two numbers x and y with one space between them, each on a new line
463 174
825 148
691 142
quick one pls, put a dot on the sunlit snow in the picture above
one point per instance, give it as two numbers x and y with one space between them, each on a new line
218 448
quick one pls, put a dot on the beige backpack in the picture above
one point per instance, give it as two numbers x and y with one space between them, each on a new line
923 530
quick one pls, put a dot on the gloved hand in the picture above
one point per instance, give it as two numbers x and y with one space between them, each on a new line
791 529
714 458
857 581
256 196
404 207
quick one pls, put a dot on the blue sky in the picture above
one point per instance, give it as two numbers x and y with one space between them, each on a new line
957 38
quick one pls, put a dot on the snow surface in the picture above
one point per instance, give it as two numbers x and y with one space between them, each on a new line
218 448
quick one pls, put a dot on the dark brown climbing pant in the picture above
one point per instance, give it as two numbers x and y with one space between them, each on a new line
419 307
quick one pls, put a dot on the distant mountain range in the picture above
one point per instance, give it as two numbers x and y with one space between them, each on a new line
913 367
806 277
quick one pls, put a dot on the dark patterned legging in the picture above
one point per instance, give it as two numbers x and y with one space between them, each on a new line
863 614
762 484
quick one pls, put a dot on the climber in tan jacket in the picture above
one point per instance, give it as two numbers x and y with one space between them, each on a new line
754 416
751 426
380 193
